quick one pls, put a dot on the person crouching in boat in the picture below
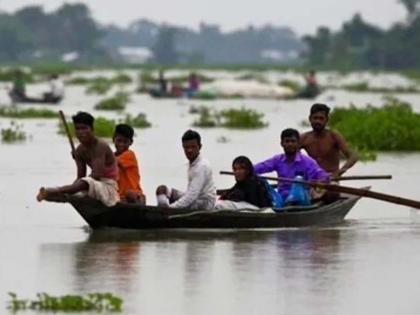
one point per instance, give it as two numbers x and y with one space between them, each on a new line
101 184
129 176
294 165
201 192
249 192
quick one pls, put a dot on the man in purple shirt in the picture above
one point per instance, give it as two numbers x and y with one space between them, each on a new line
291 164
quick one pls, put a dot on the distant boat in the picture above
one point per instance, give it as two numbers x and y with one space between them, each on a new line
32 100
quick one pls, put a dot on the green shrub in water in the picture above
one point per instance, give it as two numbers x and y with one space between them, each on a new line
116 102
242 118
94 302
14 112
206 118
293 85
13 134
139 121
103 127
393 127
100 86
364 87
231 118
121 78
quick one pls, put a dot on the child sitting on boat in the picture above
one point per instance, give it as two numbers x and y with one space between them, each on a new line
129 187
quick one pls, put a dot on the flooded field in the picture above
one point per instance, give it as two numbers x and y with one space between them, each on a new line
367 265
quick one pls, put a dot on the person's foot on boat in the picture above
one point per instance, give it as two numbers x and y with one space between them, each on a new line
44 193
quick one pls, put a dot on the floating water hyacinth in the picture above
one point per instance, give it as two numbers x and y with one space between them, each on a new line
95 302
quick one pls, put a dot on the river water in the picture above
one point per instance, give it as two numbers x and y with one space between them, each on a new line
367 265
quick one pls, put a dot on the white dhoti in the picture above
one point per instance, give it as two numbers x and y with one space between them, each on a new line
104 190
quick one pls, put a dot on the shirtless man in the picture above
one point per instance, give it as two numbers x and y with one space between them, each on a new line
325 145
101 184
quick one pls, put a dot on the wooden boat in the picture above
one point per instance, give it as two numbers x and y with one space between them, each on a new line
33 100
131 216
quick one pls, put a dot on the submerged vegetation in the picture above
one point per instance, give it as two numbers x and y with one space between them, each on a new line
13 134
242 118
393 127
94 302
117 102
364 87
139 121
15 112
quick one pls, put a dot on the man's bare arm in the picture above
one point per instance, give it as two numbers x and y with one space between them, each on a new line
351 156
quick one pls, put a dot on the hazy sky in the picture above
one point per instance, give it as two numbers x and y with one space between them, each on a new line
304 16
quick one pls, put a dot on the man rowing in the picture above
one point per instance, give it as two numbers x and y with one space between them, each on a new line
201 192
326 145
101 184
291 164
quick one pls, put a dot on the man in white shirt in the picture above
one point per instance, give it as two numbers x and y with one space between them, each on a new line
201 192
56 89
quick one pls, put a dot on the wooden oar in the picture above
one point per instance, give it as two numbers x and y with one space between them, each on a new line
348 190
67 130
340 178
367 177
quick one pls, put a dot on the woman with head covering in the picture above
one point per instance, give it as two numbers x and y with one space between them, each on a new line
248 192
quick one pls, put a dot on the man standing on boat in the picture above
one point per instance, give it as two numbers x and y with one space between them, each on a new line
101 184
294 165
201 191
326 145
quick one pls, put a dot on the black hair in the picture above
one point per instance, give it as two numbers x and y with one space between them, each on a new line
83 118
246 162
124 130
191 135
318 107
289 132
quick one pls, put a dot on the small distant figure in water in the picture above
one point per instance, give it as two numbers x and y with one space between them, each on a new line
311 89
56 92
129 176
162 89
193 84
18 91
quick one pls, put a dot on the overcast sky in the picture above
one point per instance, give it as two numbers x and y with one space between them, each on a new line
304 16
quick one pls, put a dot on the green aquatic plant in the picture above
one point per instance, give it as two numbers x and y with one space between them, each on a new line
293 85
15 112
99 86
103 127
13 134
94 302
207 118
121 78
392 127
117 102
242 118
364 87
139 121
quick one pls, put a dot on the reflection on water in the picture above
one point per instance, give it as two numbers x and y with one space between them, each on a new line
302 271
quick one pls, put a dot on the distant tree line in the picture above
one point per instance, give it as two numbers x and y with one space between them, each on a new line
32 33
359 44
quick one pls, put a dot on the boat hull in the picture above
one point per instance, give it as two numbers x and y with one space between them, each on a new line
128 216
